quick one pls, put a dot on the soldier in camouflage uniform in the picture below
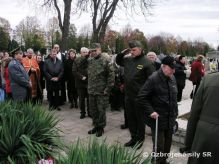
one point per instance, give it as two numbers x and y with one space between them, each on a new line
100 81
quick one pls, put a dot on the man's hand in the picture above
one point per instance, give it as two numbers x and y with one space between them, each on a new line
126 51
154 115
55 79
105 92
184 150
30 84
84 78
33 70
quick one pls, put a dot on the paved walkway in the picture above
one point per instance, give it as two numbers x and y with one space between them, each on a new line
73 128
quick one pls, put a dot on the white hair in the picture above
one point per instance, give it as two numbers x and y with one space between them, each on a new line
29 50
84 49
151 53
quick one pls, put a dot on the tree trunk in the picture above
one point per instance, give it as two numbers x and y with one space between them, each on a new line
106 15
66 22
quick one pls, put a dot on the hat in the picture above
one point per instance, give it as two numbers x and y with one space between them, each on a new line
16 51
168 60
135 43
94 46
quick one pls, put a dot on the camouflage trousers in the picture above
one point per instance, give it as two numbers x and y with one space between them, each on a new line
98 105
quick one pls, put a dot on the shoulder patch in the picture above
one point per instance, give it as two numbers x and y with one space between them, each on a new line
140 66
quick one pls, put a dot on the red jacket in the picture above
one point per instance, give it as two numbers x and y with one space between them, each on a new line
7 81
197 71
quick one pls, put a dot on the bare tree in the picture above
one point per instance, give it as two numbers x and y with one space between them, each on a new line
52 28
29 33
103 11
63 23
4 23
85 30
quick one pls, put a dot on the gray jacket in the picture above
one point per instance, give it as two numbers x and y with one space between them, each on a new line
19 78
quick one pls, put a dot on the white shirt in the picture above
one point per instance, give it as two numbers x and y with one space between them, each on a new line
59 56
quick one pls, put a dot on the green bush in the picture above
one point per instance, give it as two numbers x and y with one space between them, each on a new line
27 133
99 152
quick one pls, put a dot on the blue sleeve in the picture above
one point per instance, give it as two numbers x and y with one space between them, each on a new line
18 75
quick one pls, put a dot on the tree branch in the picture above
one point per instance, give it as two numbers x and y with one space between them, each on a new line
59 15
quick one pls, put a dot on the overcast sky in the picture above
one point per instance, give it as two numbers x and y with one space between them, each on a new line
190 19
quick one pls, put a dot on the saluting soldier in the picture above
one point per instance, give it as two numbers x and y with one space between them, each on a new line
137 69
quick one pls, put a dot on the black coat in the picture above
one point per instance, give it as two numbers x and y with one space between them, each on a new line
136 72
51 70
157 65
69 76
79 70
159 94
180 75
42 76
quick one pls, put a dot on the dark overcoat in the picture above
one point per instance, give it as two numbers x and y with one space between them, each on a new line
180 75
159 94
20 82
53 69
203 125
79 70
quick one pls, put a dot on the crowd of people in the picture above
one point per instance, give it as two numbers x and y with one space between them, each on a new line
147 88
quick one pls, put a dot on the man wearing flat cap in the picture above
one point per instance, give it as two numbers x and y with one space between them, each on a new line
158 98
137 68
100 82
19 78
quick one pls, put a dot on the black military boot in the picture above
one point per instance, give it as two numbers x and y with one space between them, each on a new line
131 143
99 132
76 103
72 105
82 116
92 131
89 115
124 126
138 144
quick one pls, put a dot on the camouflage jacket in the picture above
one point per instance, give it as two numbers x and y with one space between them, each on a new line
100 75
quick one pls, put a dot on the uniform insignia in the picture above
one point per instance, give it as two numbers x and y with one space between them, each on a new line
140 66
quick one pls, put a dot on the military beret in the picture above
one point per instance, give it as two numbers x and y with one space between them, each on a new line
135 43
94 46
168 60
16 51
